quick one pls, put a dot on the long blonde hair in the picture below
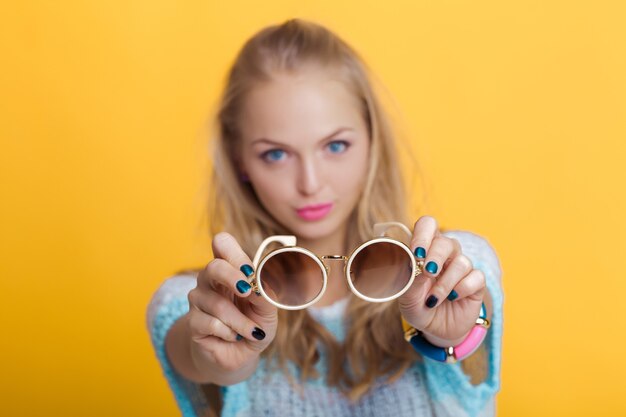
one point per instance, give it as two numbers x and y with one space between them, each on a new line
374 344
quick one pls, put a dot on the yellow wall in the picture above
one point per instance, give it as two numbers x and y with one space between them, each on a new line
516 110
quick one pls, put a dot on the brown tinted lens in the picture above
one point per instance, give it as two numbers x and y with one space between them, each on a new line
381 270
291 278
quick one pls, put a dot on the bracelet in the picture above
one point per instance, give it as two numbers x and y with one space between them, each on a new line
451 354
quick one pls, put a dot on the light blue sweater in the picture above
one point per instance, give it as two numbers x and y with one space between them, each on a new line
428 388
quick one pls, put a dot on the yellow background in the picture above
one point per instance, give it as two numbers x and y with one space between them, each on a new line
515 109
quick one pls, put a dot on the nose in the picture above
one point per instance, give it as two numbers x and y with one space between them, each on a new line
309 177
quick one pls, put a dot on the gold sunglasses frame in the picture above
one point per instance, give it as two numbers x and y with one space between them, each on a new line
289 243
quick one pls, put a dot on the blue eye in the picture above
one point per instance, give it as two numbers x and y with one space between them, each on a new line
338 146
273 155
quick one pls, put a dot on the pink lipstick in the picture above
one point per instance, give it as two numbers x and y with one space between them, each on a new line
314 212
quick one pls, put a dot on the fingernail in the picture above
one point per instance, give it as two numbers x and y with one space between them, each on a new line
247 270
431 301
239 337
431 267
258 334
453 295
242 286
420 252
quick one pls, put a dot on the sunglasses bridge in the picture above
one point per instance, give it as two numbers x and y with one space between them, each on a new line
333 258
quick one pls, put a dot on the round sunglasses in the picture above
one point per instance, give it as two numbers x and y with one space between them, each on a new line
293 278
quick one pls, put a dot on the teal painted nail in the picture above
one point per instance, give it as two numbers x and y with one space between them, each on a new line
432 267
242 286
453 295
247 270
420 252
239 337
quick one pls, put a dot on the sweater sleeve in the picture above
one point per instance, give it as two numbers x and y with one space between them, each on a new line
451 390
168 304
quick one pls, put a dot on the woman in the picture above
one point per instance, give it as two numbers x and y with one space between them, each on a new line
303 148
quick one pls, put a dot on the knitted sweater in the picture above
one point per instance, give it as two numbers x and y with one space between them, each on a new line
427 388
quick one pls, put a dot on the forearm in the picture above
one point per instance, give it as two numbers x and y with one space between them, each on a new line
191 364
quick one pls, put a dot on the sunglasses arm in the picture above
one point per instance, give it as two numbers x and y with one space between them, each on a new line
381 228
285 240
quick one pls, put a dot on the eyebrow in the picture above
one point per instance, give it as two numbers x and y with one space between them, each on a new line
265 140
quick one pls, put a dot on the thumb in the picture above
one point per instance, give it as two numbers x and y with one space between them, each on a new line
260 305
413 302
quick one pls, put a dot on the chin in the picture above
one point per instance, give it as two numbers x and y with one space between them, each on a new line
315 230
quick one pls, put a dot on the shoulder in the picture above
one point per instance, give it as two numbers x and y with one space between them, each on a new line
173 288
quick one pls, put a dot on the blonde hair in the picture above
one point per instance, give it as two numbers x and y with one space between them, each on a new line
374 344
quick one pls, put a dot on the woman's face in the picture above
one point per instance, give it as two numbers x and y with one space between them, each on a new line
305 144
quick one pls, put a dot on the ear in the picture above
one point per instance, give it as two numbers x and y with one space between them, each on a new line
241 170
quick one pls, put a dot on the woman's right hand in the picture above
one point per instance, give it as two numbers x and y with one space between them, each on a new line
219 311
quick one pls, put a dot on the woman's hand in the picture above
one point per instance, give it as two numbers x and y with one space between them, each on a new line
229 326
445 299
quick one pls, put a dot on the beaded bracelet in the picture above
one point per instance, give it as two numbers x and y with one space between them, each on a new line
451 354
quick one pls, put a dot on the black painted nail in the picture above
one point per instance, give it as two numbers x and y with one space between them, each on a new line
431 301
258 334
432 267
420 252
453 295
242 286
239 337
247 270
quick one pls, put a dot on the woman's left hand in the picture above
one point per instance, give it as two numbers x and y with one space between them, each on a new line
445 299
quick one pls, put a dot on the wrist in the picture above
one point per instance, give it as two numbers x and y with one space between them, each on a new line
445 343
213 372
450 352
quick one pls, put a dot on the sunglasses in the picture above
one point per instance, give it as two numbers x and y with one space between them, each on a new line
293 278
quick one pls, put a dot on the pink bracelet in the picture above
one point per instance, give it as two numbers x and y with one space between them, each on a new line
451 354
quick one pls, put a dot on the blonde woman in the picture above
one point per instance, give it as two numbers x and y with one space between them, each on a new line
305 160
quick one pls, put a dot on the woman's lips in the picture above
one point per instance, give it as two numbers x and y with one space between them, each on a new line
315 212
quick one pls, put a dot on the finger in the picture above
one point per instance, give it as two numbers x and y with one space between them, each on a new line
459 267
202 325
440 250
473 286
220 272
225 246
214 304
456 251
424 231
